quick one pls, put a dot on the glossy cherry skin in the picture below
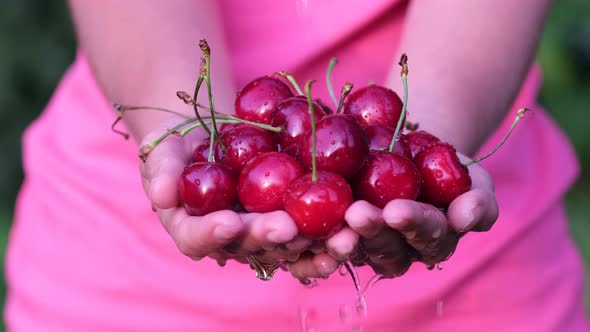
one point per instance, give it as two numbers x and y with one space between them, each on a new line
387 176
264 180
318 208
444 178
207 187
342 146
257 100
380 138
293 117
243 143
201 152
419 139
374 104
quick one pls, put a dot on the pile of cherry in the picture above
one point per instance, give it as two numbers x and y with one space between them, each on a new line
285 151
319 161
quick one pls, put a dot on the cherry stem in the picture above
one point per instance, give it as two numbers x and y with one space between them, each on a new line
517 119
314 175
188 129
122 133
207 52
196 95
255 124
404 73
187 99
125 108
291 79
146 149
343 94
331 66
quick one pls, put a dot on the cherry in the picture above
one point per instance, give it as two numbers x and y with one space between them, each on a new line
205 187
256 101
342 145
387 176
292 116
380 137
374 104
245 142
419 139
444 178
201 152
264 179
318 207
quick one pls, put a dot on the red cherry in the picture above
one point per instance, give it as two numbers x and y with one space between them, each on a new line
342 145
380 138
444 178
245 142
387 176
201 152
419 139
207 187
256 101
374 104
264 179
292 115
318 208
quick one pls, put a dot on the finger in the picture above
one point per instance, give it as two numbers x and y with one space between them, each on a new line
364 218
198 236
423 226
388 253
343 244
313 266
266 230
475 210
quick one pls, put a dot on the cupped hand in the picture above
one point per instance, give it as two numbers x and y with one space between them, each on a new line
405 231
220 235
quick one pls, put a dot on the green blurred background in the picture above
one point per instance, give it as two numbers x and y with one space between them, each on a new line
37 44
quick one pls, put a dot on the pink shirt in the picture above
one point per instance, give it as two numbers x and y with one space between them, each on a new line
88 254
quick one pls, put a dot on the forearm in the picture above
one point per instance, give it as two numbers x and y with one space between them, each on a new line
142 52
467 61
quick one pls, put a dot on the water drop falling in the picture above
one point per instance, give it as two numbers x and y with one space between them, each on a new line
430 267
439 266
439 308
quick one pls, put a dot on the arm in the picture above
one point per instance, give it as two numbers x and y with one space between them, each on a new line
142 52
467 61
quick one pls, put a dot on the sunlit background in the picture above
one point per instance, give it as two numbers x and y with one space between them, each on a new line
37 44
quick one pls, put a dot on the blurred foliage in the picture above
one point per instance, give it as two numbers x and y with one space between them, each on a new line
37 45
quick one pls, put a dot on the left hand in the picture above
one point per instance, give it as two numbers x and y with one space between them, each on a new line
406 231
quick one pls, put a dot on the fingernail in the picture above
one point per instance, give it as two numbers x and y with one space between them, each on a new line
468 220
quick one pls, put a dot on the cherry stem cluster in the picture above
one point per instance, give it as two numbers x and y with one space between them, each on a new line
403 62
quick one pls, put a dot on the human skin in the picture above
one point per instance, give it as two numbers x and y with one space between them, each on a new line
467 62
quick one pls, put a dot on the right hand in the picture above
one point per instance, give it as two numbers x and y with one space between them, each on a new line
220 235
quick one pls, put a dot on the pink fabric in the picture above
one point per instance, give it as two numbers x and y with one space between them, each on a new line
87 254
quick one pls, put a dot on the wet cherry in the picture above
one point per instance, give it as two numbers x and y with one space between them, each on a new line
419 139
244 142
374 104
206 187
264 179
387 176
258 99
444 178
380 138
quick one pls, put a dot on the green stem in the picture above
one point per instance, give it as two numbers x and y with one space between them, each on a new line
195 108
256 124
314 175
517 119
146 149
404 63
197 125
331 66
291 79
207 52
